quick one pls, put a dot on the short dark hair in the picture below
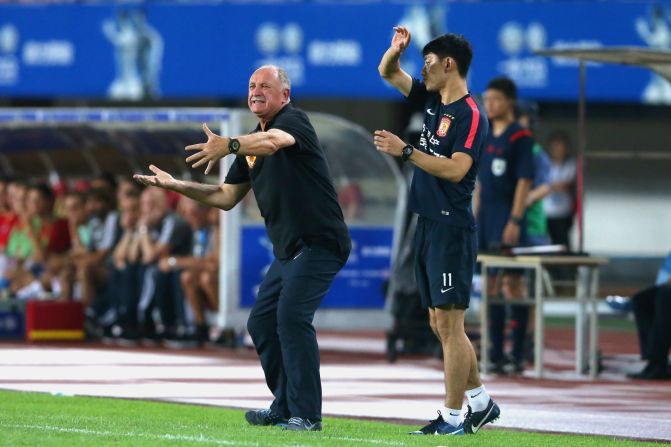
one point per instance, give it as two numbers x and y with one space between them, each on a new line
505 86
101 194
44 190
77 195
108 178
452 45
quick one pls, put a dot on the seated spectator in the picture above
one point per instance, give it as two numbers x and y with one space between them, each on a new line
12 200
162 234
122 294
37 235
12 195
94 264
105 180
6 215
93 226
59 274
652 309
127 187
199 270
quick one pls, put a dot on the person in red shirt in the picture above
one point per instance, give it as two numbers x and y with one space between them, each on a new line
12 193
37 235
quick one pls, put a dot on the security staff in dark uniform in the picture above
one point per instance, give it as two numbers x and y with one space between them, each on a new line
285 165
505 178
446 162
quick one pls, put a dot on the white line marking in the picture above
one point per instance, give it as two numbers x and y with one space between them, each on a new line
169 437
166 437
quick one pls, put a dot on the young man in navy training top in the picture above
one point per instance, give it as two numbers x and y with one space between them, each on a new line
504 180
446 162
285 165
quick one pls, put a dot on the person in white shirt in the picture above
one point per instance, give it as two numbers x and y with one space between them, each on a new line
560 204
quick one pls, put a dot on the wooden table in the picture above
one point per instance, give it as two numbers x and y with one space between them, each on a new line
587 286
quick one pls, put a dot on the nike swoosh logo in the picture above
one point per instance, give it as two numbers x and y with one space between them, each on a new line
476 395
446 290
430 112
477 427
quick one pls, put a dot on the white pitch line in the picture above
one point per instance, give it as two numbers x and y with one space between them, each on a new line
169 437
166 437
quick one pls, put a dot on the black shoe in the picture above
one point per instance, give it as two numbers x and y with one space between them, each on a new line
203 333
516 367
227 339
128 338
264 417
439 426
303 424
150 337
651 372
183 341
475 420
111 334
92 330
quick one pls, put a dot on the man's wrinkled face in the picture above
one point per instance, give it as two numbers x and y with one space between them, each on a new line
266 94
130 211
153 206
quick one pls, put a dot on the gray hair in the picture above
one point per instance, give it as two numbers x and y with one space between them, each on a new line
282 75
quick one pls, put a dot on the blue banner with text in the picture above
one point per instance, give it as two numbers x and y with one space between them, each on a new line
130 51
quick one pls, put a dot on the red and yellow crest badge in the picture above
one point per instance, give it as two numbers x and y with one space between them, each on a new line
251 160
444 126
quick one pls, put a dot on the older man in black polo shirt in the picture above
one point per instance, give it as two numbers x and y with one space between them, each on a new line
284 163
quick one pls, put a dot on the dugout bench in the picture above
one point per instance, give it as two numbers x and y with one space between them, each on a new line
586 318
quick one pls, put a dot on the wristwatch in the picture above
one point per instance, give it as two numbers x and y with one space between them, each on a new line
172 261
516 220
407 152
233 146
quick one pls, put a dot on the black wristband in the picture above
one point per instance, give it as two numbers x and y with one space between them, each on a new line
515 220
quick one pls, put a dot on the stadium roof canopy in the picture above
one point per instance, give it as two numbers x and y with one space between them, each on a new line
656 60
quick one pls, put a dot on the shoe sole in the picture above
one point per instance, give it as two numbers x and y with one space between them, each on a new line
454 433
474 429
302 429
127 343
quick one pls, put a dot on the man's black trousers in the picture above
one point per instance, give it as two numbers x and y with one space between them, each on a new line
280 325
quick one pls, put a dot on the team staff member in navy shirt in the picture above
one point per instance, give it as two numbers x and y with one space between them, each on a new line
505 177
446 162
285 165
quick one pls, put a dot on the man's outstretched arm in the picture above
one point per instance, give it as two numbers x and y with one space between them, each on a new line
224 196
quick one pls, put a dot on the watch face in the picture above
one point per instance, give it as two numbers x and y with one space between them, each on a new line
234 146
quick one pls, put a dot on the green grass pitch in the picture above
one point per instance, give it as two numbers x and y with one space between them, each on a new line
31 419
